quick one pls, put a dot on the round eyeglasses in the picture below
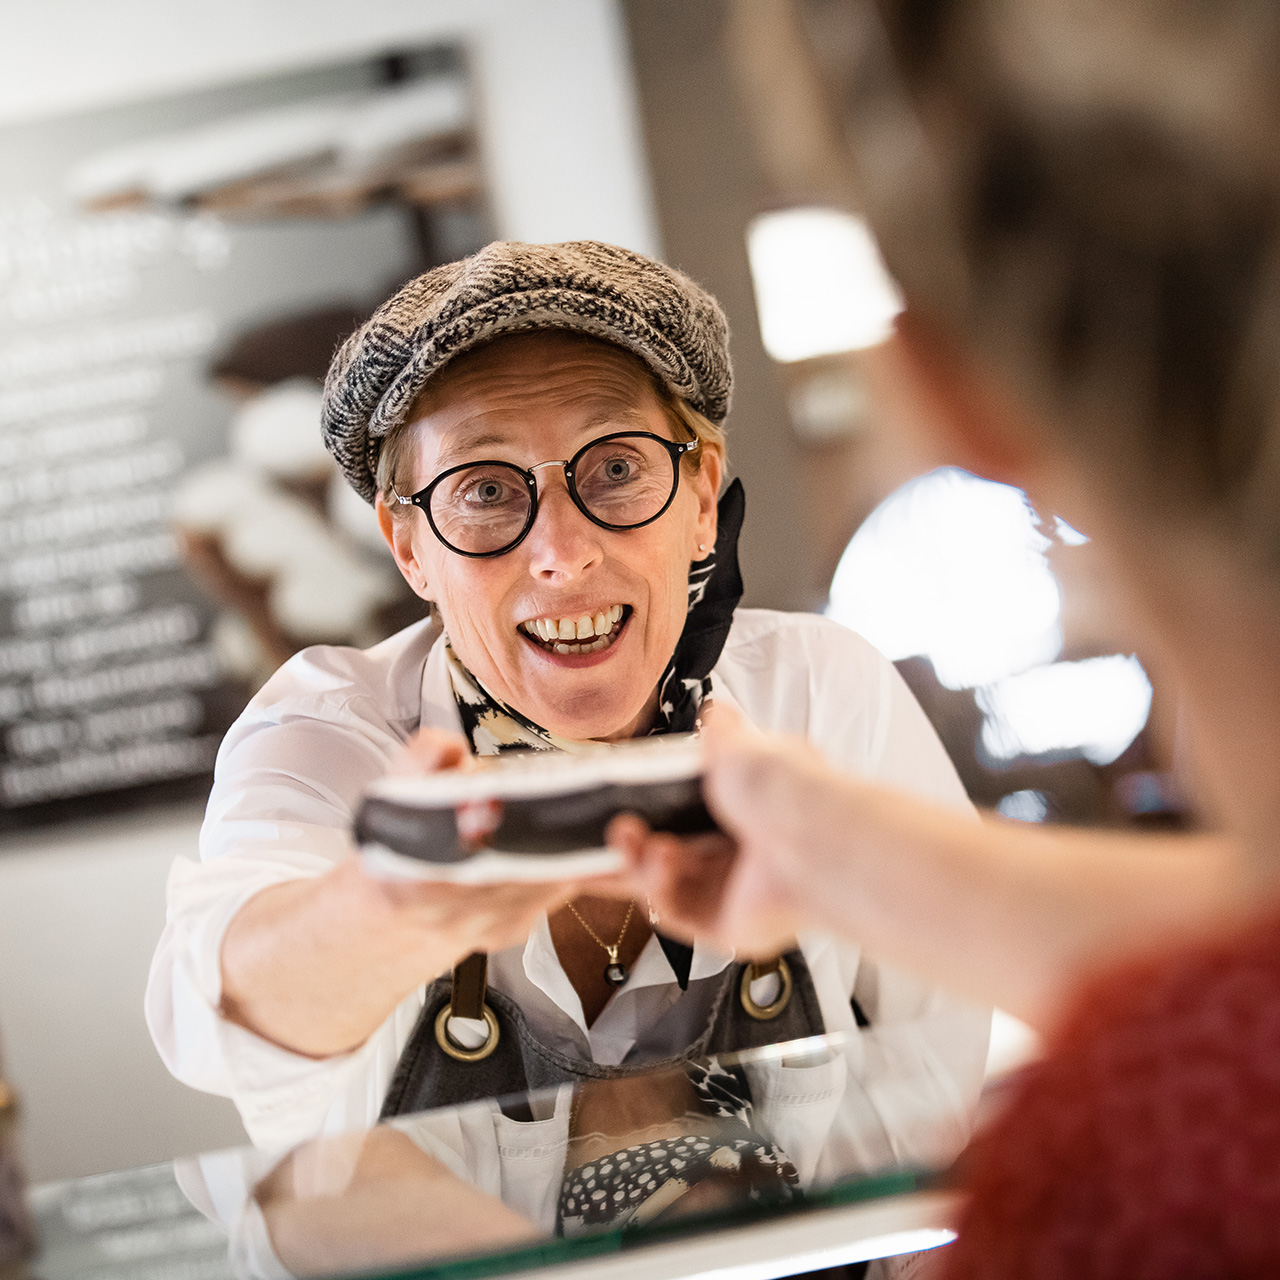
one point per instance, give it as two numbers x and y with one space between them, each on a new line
620 481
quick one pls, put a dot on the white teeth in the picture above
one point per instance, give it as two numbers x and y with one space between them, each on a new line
599 628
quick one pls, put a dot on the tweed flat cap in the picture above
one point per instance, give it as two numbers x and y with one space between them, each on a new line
674 326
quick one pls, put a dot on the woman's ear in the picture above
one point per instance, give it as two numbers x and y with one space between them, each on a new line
705 482
399 537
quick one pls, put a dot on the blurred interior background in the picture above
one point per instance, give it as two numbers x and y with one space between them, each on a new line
197 203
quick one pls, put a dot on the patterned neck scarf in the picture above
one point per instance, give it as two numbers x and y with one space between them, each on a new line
715 587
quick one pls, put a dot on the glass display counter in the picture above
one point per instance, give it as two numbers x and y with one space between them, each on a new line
752 1165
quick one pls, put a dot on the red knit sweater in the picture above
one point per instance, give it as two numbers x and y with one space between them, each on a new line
1147 1143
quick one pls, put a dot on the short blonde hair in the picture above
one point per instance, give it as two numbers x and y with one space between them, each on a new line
709 435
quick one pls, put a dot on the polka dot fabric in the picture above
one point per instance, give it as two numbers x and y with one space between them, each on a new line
1146 1146
611 1191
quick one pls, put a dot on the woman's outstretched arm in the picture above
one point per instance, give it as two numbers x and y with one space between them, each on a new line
316 965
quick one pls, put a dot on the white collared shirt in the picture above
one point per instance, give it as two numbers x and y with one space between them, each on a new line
638 1018
291 772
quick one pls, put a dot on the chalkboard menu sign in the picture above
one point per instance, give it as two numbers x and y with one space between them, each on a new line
172 273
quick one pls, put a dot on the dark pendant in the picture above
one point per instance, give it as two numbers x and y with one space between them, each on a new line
615 974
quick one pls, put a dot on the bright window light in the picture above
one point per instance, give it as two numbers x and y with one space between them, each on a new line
820 284
953 568
1096 707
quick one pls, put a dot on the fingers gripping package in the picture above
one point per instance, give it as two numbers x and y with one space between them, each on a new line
530 816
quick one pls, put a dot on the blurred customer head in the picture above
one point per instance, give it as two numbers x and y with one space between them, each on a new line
1081 202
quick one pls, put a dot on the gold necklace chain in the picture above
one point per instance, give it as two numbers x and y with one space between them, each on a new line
599 941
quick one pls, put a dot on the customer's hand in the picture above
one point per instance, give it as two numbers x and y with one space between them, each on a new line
753 887
1001 912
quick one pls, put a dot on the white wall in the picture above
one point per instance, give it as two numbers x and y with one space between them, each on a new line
80 909
565 154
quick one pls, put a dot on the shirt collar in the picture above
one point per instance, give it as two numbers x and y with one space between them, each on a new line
439 706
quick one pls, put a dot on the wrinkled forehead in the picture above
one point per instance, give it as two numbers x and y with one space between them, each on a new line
544 363
499 395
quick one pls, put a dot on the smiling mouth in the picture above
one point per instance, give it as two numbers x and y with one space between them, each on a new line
587 633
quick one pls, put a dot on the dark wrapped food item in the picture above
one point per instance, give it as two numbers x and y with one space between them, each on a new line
530 816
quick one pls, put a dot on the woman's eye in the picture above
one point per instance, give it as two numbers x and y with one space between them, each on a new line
617 470
487 492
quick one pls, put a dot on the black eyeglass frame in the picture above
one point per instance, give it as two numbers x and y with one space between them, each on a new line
676 449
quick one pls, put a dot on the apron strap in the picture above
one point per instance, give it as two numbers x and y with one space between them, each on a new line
470 982
467 1000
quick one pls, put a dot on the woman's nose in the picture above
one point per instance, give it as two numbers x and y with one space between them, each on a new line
563 543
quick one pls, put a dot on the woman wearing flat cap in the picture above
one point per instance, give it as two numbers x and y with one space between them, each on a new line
296 983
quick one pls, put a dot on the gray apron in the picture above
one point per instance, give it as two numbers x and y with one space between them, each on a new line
428 1076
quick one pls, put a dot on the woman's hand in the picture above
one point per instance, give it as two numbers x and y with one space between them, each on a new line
466 918
316 965
461 918
432 751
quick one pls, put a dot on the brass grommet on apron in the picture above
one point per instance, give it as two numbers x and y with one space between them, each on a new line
455 1050
753 973
467 1000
